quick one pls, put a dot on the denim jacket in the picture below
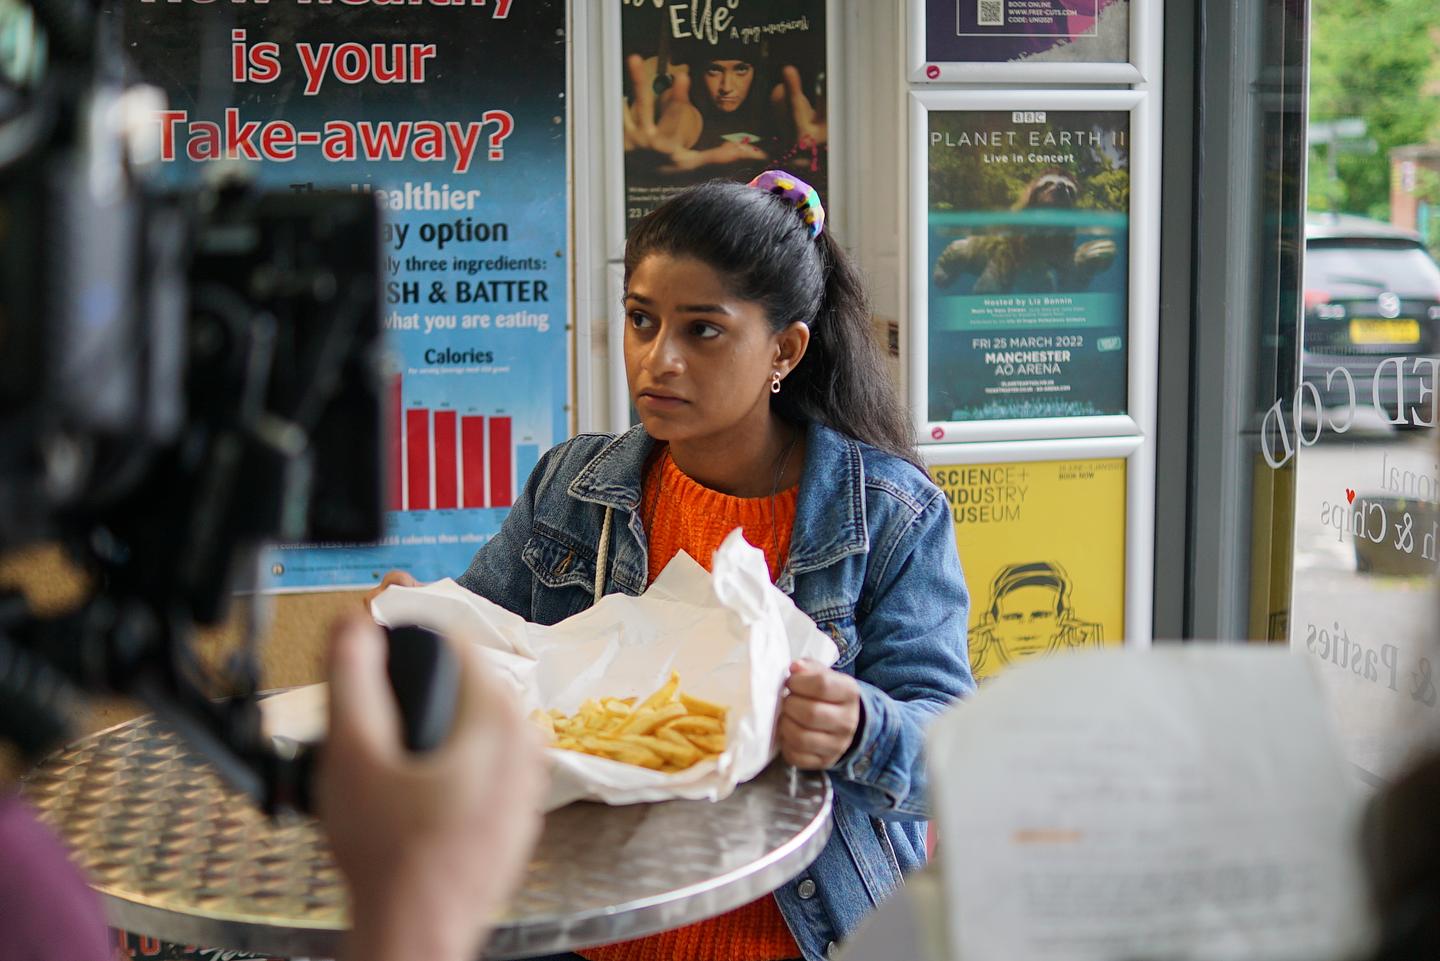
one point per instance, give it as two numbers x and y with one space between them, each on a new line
872 560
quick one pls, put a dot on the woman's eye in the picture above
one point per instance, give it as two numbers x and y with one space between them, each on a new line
639 320
706 331
743 69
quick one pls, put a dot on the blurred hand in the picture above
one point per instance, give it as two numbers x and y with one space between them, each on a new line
432 844
818 716
664 124
393 577
811 127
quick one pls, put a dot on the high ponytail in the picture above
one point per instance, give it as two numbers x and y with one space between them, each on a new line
764 249
843 382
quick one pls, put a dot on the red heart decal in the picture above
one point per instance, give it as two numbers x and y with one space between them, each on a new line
1349 495
932 71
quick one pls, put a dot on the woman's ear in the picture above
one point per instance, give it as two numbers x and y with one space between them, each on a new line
790 346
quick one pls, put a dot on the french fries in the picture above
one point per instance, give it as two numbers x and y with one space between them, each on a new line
668 731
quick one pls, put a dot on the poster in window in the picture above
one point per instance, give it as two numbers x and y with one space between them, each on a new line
1027 263
1033 32
1042 545
454 119
722 90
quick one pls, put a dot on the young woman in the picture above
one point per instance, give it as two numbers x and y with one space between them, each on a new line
723 111
764 405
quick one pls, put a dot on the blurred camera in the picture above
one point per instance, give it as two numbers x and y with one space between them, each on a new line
185 377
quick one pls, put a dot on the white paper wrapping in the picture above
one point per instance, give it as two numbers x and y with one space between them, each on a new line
731 635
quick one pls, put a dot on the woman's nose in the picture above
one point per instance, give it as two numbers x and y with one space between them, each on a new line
664 355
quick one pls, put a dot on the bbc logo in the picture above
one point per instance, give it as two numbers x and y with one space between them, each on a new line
1028 116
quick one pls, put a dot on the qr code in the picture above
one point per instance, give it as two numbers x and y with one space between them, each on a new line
991 13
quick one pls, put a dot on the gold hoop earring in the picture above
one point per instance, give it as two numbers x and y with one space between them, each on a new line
775 382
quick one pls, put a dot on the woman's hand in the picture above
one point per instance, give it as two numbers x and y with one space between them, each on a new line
393 577
818 717
811 127
432 844
665 125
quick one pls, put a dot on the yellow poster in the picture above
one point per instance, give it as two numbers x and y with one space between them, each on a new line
1043 548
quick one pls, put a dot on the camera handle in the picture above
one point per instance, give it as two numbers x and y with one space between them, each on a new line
425 678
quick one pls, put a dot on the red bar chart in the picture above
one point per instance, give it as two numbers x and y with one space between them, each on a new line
417 459
446 477
396 478
501 462
472 443
442 459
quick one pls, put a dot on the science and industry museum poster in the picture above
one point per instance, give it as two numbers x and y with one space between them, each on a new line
1043 555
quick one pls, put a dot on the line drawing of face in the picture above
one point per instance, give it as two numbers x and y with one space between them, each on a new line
728 82
1027 620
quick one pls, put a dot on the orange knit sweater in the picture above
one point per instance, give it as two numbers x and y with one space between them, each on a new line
679 514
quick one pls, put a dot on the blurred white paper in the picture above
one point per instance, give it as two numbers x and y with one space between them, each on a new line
1163 804
731 635
907 926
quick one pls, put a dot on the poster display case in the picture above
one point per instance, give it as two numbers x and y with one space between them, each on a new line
1050 559
1032 268
1028 41
704 91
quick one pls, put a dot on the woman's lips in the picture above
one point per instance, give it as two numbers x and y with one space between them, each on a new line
660 401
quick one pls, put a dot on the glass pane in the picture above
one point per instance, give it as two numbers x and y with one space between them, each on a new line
1367 464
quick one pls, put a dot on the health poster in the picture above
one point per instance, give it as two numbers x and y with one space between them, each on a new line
1027 263
1038 31
453 116
1042 545
721 90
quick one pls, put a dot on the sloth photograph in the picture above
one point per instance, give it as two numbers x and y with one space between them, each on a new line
1028 259
1028 203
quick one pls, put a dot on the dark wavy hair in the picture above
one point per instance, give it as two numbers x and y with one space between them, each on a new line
761 246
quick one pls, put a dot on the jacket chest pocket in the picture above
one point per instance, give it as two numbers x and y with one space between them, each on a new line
563 574
839 626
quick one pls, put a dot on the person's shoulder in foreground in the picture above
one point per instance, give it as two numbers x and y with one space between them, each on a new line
46 909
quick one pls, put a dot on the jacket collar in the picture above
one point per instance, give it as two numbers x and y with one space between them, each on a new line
829 515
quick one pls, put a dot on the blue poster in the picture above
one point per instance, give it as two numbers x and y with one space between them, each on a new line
1028 264
454 116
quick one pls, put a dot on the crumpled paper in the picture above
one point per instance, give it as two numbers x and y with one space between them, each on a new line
730 634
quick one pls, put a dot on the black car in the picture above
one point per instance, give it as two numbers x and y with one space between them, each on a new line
1372 292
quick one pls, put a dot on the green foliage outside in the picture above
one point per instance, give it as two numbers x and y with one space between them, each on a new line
1371 59
961 179
1427 189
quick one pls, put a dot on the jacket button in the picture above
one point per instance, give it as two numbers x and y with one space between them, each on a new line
806 889
832 951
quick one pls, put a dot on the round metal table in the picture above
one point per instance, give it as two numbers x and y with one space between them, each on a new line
177 855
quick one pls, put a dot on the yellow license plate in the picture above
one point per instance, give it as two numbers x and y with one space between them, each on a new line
1376 331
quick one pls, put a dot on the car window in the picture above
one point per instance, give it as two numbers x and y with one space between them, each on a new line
1357 270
